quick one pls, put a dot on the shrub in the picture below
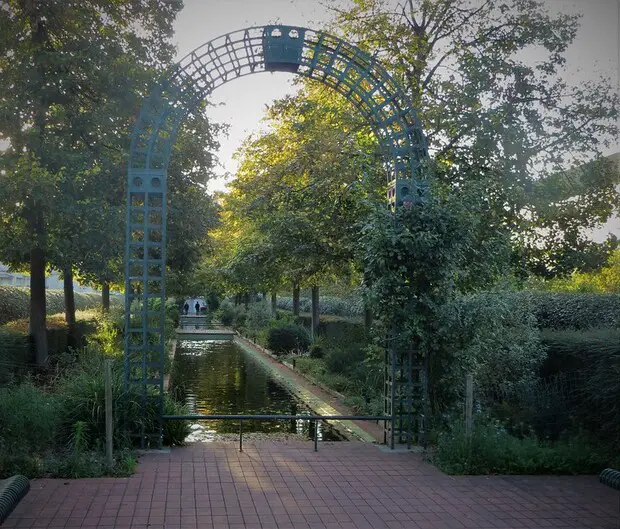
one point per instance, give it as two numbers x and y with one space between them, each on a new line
287 338
316 350
175 432
226 313
240 318
29 418
344 358
109 332
14 354
258 317
81 393
491 335
491 450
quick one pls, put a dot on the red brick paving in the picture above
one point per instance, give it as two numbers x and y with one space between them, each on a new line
281 486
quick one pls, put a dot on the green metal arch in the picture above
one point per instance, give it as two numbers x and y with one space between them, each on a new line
313 54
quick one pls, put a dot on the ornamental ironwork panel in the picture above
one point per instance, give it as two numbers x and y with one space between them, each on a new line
313 54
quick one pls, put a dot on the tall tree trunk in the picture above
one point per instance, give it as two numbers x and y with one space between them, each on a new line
105 296
37 305
296 299
67 283
315 312
37 327
246 300
274 302
367 318
367 308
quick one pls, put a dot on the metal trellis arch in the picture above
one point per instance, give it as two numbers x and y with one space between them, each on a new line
314 54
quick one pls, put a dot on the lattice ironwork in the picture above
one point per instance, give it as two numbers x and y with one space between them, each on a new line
317 55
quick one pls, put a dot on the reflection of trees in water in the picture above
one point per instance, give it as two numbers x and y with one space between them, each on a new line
220 378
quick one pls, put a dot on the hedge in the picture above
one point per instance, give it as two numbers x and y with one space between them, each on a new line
327 305
553 310
15 302
288 337
568 310
590 363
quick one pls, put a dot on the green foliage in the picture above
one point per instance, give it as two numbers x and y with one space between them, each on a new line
605 280
418 256
591 359
567 310
234 315
14 354
353 306
175 432
287 337
529 124
82 398
60 431
15 302
109 332
258 317
492 450
29 416
317 349
226 313
87 464
490 335
344 357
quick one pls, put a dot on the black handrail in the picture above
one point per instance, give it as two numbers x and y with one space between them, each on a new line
278 417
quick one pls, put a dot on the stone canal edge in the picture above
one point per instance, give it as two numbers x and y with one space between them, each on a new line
319 401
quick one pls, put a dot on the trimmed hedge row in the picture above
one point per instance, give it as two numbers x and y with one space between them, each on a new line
327 305
15 302
590 362
577 311
553 310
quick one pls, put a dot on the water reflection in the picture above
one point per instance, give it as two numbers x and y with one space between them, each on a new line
217 377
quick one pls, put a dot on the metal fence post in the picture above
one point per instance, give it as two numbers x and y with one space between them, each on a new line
241 435
316 436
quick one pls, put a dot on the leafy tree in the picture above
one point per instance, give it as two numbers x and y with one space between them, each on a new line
192 213
605 280
493 118
56 59
304 184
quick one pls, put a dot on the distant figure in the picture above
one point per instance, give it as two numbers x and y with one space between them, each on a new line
186 308
197 307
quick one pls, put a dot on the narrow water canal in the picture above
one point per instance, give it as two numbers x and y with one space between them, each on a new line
218 377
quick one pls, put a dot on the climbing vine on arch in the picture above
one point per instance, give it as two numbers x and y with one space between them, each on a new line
418 258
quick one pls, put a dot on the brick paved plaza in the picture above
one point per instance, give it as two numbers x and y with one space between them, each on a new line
287 485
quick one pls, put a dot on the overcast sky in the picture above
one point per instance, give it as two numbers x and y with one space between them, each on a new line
595 51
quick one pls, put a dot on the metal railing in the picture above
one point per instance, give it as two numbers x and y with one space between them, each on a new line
313 418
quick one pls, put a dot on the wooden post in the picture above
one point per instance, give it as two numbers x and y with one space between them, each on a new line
108 415
469 404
